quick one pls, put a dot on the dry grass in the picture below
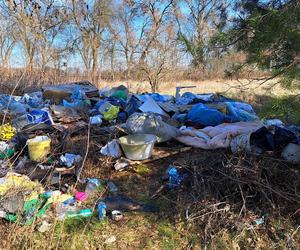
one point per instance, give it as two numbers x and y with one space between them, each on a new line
211 190
269 186
228 87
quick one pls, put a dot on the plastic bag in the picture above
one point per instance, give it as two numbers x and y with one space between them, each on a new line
186 98
9 103
112 149
132 105
7 132
39 116
78 99
148 123
241 112
111 113
69 160
120 94
204 116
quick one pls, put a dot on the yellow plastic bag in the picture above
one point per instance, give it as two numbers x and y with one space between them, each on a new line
58 197
111 113
39 147
7 132
13 181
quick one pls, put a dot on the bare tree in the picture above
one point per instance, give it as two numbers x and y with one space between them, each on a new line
91 21
199 21
7 42
156 14
157 40
37 23
127 33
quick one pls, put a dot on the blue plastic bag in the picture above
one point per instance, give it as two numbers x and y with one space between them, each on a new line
78 99
132 106
186 98
175 177
205 116
39 116
157 97
240 111
9 103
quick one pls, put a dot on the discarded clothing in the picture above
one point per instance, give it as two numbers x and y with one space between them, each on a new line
269 140
220 136
123 203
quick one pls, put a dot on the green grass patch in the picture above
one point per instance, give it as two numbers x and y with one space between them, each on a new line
169 235
285 108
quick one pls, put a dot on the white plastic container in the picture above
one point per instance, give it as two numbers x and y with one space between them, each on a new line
138 147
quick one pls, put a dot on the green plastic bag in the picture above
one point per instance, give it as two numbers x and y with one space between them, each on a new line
32 210
7 153
120 94
111 113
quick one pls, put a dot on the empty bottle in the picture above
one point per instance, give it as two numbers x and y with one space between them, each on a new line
92 185
84 213
62 210
102 210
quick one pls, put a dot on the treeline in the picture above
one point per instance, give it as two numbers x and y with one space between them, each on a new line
148 40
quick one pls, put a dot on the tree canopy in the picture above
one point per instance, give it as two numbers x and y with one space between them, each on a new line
269 33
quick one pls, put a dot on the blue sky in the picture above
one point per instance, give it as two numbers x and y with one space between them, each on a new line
18 59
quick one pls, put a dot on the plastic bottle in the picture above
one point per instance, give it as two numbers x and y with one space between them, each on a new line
101 210
84 213
92 185
62 210
112 187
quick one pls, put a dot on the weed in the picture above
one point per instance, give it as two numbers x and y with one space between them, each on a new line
286 108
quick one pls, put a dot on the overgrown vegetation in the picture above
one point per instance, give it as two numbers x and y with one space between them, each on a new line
217 208
286 108
268 32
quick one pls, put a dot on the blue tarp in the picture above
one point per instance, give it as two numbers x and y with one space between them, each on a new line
202 115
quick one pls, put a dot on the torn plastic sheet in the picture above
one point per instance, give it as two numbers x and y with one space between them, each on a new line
69 159
151 106
112 149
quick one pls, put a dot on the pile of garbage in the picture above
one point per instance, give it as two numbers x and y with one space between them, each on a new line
33 124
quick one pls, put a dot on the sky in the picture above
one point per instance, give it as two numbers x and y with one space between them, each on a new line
74 61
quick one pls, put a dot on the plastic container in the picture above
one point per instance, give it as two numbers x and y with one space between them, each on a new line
117 215
39 147
138 147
